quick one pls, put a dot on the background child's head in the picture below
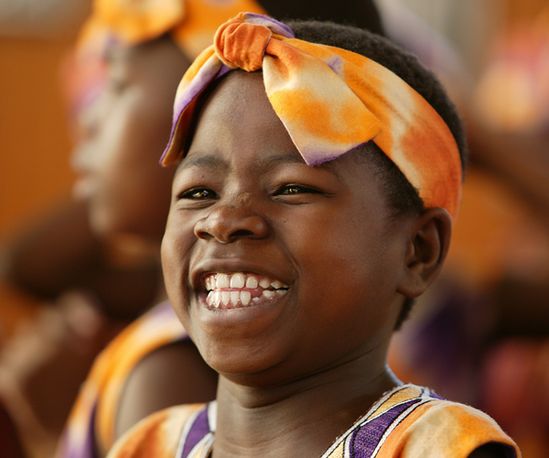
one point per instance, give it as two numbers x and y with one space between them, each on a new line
125 128
340 245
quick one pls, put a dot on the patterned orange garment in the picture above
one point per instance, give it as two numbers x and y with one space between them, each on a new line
408 422
91 423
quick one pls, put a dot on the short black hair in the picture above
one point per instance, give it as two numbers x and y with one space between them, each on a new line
358 13
402 197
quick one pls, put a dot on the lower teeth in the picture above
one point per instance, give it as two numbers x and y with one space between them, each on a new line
217 299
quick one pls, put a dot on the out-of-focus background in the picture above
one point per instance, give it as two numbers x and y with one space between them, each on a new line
481 336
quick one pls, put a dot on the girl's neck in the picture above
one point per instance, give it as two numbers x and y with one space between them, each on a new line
301 418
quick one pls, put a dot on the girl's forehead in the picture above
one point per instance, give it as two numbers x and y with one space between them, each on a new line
237 127
237 116
238 93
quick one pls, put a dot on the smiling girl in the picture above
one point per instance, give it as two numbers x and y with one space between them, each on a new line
312 202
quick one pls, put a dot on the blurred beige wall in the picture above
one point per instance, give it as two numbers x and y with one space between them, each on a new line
34 141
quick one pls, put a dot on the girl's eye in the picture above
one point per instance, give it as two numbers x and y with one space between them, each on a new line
197 194
294 189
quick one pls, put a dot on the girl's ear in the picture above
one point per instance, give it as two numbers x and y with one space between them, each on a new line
426 250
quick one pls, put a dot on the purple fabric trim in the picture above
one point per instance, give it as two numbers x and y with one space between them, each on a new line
197 431
204 78
276 26
434 395
86 449
366 438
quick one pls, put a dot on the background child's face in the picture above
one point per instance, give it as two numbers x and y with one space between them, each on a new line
244 201
126 131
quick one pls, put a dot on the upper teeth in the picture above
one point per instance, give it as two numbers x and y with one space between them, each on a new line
239 280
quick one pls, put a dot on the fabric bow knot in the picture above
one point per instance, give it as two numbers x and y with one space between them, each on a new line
242 45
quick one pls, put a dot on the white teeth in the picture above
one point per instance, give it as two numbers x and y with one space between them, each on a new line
225 297
251 282
222 281
238 280
227 290
235 296
245 297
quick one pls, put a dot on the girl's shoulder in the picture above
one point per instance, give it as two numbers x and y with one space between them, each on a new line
158 435
415 421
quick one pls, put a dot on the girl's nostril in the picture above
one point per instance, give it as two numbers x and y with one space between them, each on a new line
229 224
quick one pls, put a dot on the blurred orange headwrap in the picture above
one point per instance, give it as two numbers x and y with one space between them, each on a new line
191 23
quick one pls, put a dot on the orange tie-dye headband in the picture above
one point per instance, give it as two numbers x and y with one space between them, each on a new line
191 23
330 101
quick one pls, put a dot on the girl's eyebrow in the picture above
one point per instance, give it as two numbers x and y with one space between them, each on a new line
273 160
211 161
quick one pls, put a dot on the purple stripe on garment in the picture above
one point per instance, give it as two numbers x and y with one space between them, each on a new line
197 431
366 438
434 395
85 449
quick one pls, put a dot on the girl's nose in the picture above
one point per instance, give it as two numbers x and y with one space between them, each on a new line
228 223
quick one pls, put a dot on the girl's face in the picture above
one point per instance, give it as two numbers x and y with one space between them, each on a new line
277 269
125 131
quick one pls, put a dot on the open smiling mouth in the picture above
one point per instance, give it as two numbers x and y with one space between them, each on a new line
238 289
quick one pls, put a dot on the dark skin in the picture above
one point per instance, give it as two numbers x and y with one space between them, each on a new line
10 443
244 201
183 379
56 255
124 134
80 261
490 451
